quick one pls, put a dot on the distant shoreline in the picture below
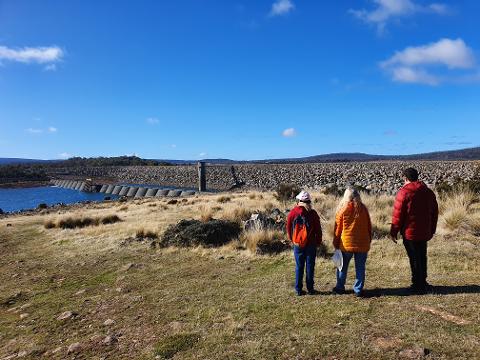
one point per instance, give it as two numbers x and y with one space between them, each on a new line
24 184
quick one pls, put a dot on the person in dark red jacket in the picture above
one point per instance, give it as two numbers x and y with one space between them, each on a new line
415 215
306 253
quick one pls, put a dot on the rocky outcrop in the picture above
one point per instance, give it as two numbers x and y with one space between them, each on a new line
379 177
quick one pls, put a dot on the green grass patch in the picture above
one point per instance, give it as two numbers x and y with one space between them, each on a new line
173 344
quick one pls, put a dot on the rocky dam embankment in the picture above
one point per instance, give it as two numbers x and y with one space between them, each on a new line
379 177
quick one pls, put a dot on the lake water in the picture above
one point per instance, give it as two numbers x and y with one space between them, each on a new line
29 198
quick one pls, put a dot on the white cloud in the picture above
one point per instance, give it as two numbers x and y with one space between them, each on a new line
40 55
387 10
50 130
202 154
281 7
153 121
65 155
173 146
34 131
290 132
51 67
412 64
414 76
451 53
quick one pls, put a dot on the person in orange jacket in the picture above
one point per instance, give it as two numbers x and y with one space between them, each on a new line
352 235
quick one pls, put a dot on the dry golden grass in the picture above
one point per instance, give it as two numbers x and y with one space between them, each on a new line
227 302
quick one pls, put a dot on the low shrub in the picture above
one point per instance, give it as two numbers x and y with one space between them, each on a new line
194 232
81 222
286 192
49 224
145 235
265 241
224 199
238 214
42 206
109 219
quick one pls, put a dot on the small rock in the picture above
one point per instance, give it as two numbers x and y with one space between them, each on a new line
67 315
414 353
23 316
22 353
56 350
109 340
75 347
80 292
109 322
129 266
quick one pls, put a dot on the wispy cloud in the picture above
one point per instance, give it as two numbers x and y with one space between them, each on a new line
390 133
34 131
65 155
281 7
387 10
413 64
173 146
51 67
202 154
290 132
39 55
49 130
153 121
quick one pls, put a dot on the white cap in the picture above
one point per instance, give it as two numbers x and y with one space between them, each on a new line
303 196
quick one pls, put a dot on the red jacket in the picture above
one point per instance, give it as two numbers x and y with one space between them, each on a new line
415 212
314 234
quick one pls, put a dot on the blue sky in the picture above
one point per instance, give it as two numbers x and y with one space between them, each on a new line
190 79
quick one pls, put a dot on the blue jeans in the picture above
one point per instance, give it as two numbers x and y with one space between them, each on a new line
360 260
304 256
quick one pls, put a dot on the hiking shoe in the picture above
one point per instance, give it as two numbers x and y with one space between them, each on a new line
359 294
338 291
301 293
313 292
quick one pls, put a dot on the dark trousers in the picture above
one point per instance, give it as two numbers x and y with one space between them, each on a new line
417 254
305 256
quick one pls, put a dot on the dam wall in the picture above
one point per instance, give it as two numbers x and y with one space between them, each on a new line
379 177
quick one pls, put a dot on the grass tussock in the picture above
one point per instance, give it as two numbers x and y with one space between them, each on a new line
143 234
264 241
173 344
224 199
71 222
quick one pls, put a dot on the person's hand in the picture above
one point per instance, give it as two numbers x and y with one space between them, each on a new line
393 238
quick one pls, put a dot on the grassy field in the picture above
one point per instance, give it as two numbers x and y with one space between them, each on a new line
96 293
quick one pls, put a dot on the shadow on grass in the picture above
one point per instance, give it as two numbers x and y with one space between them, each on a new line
437 290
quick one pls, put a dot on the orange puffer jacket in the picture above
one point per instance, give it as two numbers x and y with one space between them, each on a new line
353 233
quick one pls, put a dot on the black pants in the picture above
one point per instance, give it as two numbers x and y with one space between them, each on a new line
417 254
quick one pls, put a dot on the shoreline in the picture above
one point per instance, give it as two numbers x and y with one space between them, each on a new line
24 184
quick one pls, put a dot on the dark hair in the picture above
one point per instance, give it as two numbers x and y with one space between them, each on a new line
411 174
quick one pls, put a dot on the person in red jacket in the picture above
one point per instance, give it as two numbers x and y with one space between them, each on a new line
305 232
415 215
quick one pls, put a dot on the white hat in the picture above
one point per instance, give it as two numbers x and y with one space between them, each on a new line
303 196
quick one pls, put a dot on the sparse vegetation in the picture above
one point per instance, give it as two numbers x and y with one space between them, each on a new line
224 199
228 300
286 192
81 222
143 234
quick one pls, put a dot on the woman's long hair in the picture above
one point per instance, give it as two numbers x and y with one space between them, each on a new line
351 194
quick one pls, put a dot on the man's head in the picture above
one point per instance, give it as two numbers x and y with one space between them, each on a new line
410 174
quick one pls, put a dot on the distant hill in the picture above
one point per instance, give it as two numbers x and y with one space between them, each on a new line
11 161
462 154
